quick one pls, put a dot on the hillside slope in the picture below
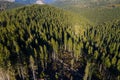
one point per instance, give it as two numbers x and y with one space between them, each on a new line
33 36
8 5
44 42
84 3
96 13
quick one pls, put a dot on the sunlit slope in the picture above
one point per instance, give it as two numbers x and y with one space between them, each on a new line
44 14
97 14
84 3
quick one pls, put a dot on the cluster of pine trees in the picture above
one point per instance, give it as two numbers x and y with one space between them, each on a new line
40 42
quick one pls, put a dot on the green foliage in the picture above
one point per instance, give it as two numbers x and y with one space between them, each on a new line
39 41
96 12
83 3
118 65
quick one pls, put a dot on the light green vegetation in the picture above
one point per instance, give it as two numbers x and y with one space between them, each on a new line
98 15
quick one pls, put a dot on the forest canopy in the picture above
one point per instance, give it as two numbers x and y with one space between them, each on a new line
44 42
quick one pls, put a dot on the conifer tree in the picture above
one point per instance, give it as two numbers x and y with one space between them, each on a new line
32 66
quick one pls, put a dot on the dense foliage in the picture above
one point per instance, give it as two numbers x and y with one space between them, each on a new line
39 42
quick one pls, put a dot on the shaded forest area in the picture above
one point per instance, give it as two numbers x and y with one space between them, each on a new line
40 42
